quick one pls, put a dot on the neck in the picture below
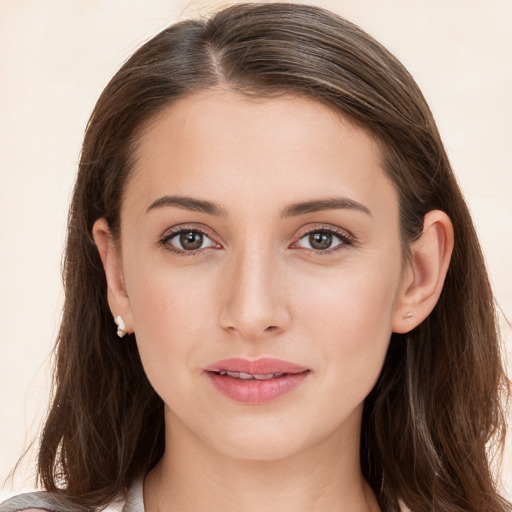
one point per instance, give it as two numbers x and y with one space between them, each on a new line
194 476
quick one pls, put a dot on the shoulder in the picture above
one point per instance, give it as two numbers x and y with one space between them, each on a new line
47 502
31 502
37 502
29 509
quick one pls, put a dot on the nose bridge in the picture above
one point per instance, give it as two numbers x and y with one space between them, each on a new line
255 302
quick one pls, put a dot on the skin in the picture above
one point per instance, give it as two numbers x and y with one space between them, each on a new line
257 287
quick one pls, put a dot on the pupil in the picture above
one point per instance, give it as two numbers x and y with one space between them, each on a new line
191 240
320 241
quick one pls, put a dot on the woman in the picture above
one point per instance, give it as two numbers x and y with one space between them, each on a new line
265 209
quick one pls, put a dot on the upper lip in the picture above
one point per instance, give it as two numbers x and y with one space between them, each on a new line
263 366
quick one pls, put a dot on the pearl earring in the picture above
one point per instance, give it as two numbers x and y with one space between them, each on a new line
120 326
408 314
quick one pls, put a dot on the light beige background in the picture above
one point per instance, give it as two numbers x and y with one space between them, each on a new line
57 55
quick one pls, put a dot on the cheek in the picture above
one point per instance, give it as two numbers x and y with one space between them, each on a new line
164 301
170 313
349 321
351 302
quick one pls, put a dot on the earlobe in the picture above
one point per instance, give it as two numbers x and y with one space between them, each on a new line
425 273
110 257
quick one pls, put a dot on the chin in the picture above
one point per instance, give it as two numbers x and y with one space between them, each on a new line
269 440
260 448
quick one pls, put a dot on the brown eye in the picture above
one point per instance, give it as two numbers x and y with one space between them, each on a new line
191 240
187 241
320 240
327 240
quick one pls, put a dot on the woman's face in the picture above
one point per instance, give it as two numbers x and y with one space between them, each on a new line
256 230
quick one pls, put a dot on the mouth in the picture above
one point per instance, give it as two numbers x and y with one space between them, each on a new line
255 382
249 376
258 367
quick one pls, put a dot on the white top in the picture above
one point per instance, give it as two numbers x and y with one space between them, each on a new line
45 502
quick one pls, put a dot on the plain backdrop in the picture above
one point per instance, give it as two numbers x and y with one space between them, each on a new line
57 55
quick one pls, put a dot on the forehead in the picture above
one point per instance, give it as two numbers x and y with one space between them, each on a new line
224 144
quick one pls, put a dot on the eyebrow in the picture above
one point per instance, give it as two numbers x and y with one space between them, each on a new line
188 203
293 210
336 203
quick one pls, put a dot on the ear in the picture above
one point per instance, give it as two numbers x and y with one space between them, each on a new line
424 272
111 258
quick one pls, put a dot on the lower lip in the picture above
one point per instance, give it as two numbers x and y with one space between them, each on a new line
252 391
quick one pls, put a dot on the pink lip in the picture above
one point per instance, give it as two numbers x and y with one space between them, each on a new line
256 391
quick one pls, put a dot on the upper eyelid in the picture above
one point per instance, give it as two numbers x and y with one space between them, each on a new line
304 229
172 231
325 227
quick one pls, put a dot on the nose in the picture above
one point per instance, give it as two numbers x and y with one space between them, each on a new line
254 299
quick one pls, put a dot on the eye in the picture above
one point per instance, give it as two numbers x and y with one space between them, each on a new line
324 240
187 240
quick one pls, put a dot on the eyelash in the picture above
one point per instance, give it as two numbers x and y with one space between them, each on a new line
165 240
346 240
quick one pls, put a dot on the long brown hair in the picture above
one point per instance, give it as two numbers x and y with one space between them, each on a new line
436 406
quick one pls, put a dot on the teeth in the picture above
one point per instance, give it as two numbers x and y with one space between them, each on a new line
269 376
265 377
248 376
